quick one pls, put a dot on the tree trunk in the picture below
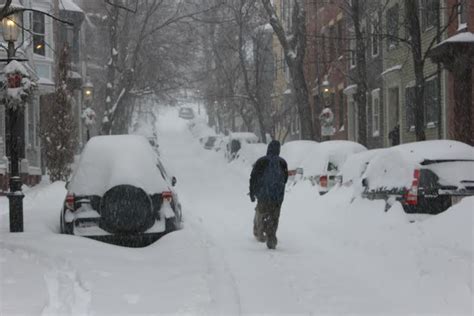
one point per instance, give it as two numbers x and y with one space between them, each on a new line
243 64
111 68
361 93
413 16
294 48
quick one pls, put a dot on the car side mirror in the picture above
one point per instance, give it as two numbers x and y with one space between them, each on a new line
174 181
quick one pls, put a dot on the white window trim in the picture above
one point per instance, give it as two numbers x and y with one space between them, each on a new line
352 60
375 96
461 26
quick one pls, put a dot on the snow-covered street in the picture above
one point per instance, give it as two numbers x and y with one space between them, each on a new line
336 254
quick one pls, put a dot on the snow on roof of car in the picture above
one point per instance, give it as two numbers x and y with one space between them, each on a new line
108 161
334 151
435 149
251 137
393 167
294 152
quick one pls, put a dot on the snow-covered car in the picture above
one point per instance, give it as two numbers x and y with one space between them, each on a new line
235 142
120 188
186 113
322 165
295 152
352 171
426 177
250 153
209 142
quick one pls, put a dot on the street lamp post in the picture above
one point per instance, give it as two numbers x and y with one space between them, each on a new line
326 117
88 114
15 195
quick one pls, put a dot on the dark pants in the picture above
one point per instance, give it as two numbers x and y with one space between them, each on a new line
265 223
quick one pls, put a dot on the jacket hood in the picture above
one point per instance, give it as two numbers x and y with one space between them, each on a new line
273 148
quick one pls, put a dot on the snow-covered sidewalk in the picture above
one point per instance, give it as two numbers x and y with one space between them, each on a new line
335 255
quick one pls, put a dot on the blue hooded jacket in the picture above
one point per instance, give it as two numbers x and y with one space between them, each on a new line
258 184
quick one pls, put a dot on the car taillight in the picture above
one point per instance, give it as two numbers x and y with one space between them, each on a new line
70 200
411 198
323 181
291 173
167 195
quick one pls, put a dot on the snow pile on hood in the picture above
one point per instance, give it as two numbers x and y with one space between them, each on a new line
355 166
390 169
108 161
294 152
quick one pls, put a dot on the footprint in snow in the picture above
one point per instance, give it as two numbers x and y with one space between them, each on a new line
132 298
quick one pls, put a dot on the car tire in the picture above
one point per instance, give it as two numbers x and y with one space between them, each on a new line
126 209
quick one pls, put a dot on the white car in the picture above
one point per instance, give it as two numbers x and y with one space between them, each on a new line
323 166
294 153
120 189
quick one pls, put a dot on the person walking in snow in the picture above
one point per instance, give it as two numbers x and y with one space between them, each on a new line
267 185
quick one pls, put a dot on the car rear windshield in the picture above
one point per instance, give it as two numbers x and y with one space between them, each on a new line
452 172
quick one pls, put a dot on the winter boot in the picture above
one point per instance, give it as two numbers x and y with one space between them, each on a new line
272 242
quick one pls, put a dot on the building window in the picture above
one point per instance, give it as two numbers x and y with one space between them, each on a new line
375 36
410 107
462 14
431 102
392 17
352 52
376 113
429 13
39 34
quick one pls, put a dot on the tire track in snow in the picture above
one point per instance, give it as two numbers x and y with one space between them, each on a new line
67 293
225 294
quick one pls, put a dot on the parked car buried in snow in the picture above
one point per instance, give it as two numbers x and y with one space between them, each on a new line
235 142
120 189
323 167
295 152
426 177
186 113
